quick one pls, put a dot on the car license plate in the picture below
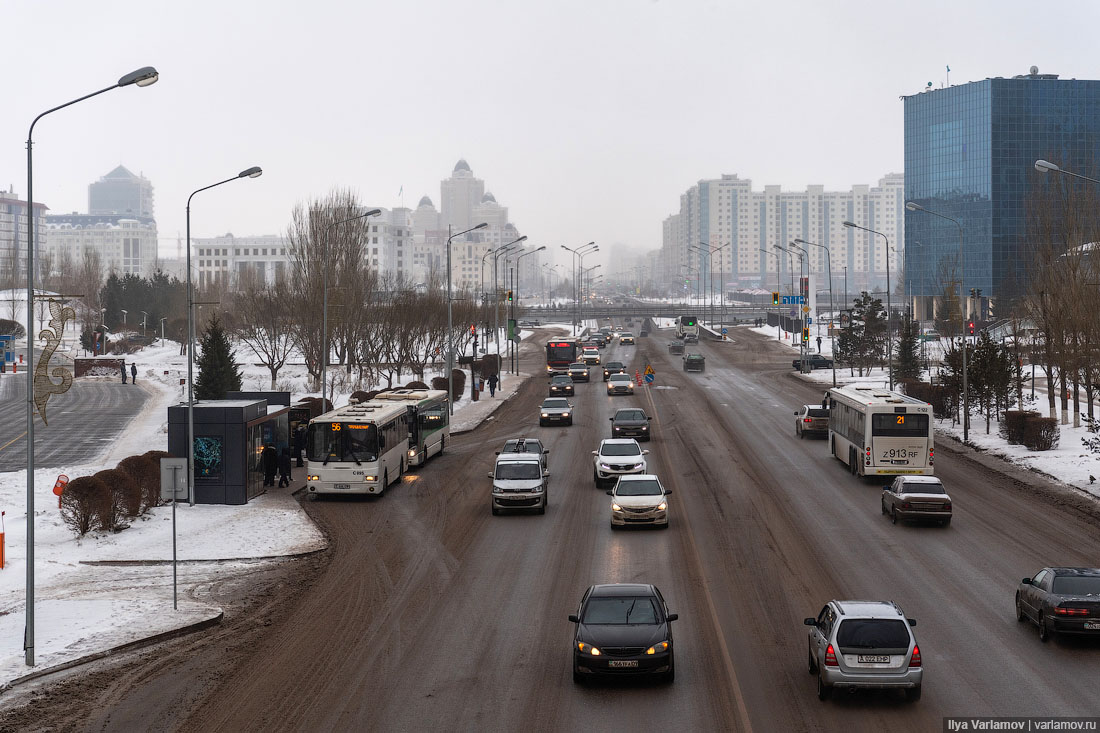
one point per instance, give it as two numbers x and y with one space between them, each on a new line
623 663
1092 625
873 658
342 486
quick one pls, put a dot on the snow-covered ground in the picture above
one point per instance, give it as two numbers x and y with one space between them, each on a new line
107 590
1068 462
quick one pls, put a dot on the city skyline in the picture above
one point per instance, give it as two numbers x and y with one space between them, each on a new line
589 130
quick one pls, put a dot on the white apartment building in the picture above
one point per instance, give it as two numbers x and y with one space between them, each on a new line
228 258
459 195
126 245
727 214
13 235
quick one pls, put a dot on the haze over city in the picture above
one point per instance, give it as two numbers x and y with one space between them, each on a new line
586 119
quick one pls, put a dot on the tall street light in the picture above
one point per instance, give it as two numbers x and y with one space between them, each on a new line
577 254
585 287
450 325
324 296
515 300
503 250
142 77
829 268
778 314
913 206
253 172
802 318
1044 166
889 331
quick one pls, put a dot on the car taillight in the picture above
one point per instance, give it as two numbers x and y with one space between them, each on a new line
1063 611
947 506
830 657
931 456
914 661
807 420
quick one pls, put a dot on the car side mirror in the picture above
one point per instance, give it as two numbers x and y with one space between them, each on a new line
546 451
610 492
1026 581
546 473
912 621
649 418
574 619
611 419
810 621
497 453
595 452
490 474
645 452
672 617
796 412
668 491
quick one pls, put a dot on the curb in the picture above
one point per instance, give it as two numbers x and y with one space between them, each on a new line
128 646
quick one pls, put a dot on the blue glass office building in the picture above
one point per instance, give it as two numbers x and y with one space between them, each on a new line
970 152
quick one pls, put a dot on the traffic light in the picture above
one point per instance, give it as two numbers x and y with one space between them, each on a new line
473 329
805 334
509 296
775 297
971 327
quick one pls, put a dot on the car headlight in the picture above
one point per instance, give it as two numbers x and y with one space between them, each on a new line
588 649
630 385
645 427
658 647
546 414
662 506
605 466
537 490
498 490
565 414
615 507
412 452
313 478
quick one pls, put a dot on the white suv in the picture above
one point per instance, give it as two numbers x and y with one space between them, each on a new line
617 457
590 356
519 482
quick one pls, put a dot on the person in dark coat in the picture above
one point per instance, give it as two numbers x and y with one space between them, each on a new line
133 373
124 372
299 443
492 381
270 461
284 468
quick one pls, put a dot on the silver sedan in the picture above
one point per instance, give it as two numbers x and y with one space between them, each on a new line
915 498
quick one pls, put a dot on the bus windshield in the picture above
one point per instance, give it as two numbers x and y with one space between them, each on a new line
561 352
336 441
898 425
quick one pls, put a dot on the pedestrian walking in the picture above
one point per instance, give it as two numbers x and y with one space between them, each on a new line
492 380
284 468
299 443
269 459
133 374
123 372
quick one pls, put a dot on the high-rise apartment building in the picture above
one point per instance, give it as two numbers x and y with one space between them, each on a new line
742 228
970 152
459 195
121 192
13 236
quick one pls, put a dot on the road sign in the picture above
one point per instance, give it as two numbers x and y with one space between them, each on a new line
173 479
793 313
793 300
805 309
809 321
725 331
649 371
649 378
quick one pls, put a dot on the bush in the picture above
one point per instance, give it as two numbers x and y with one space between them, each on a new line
125 498
439 383
314 401
359 396
145 472
82 501
416 385
1014 425
153 499
11 328
1040 433
458 377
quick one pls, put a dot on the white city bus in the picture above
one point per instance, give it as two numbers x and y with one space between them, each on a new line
357 449
878 432
429 421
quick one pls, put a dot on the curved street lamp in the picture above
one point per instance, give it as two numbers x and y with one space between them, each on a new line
450 324
503 250
889 308
142 77
829 267
578 253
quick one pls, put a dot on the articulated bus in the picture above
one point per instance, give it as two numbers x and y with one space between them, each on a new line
429 420
357 449
560 353
877 432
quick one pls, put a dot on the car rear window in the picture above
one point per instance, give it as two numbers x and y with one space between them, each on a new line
620 611
923 487
1076 585
873 633
818 412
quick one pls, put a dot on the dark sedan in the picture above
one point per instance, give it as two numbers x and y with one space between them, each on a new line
1061 601
623 629
560 385
613 367
578 372
630 422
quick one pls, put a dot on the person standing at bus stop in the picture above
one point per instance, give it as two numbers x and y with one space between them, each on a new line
123 368
492 381
133 374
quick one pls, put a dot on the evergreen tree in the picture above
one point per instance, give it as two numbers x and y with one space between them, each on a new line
907 360
865 344
219 372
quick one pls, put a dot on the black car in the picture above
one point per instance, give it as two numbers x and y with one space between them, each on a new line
694 363
613 367
561 385
630 422
1061 601
578 372
814 361
623 629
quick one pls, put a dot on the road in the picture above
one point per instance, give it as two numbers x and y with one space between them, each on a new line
427 613
82 421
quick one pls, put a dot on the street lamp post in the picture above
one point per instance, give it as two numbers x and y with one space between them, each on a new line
450 325
142 77
802 318
144 318
502 250
889 331
162 320
829 269
778 315
577 254
324 297
913 206
253 172
586 284
515 300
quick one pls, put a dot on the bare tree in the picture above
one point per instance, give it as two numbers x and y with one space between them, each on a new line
265 321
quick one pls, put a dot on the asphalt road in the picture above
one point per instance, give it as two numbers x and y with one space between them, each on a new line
427 613
84 419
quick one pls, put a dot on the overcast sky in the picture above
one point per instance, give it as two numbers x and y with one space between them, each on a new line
586 118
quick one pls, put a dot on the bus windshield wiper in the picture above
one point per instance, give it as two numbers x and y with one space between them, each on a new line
354 457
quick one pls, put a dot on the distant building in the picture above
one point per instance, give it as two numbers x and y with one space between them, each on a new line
121 192
125 245
459 194
970 152
728 217
228 259
13 236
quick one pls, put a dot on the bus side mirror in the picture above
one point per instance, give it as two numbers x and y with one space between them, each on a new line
490 474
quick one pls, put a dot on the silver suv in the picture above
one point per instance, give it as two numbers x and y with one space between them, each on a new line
616 457
519 482
866 644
